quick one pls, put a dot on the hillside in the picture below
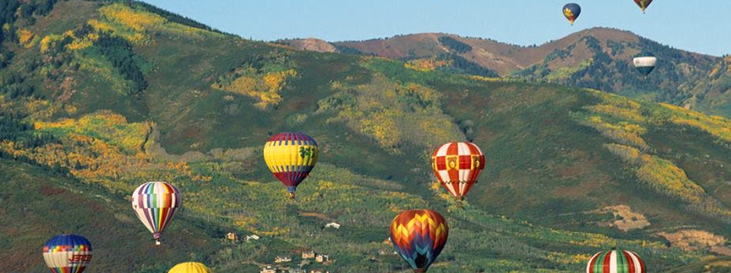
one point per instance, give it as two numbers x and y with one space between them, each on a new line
597 58
112 94
713 90
40 204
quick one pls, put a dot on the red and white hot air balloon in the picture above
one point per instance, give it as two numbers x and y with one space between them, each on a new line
457 165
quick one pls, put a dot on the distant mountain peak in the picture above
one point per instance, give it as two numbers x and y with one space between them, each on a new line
310 44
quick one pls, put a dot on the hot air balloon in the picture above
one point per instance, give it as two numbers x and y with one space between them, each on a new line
155 204
644 64
419 236
643 4
615 261
190 267
67 253
291 157
572 12
457 166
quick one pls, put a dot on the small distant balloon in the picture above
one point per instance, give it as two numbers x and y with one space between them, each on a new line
419 236
155 204
643 4
67 253
572 12
645 64
291 157
190 267
614 261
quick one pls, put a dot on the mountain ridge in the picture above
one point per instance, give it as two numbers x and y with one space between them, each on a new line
598 58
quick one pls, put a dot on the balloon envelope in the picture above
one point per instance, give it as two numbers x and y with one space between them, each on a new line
643 4
67 253
457 165
645 64
291 157
419 236
615 261
190 267
571 11
155 204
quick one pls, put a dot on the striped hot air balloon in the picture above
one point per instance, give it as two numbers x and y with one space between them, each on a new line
419 236
615 261
190 267
457 165
155 204
291 157
643 4
67 253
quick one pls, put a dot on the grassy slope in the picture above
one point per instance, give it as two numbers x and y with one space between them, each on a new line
545 166
39 204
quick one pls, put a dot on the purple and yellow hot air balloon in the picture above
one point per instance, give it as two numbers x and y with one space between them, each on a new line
291 157
419 236
67 253
155 204
615 261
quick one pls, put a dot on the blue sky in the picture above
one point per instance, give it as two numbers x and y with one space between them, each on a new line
683 24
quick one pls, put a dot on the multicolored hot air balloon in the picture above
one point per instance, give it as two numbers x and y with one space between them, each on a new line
457 166
615 261
190 267
572 12
291 157
155 204
419 236
67 253
644 64
643 4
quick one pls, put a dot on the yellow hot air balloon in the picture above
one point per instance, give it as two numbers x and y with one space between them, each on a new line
190 267
291 157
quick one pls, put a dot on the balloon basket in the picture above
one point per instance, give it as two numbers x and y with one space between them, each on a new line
157 242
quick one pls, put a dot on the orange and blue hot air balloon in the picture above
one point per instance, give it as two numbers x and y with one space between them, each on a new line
572 12
419 236
155 204
67 253
291 157
643 4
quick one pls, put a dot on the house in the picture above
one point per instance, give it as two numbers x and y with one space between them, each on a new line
297 270
319 271
308 254
332 225
268 269
304 263
252 237
282 259
321 258
232 237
